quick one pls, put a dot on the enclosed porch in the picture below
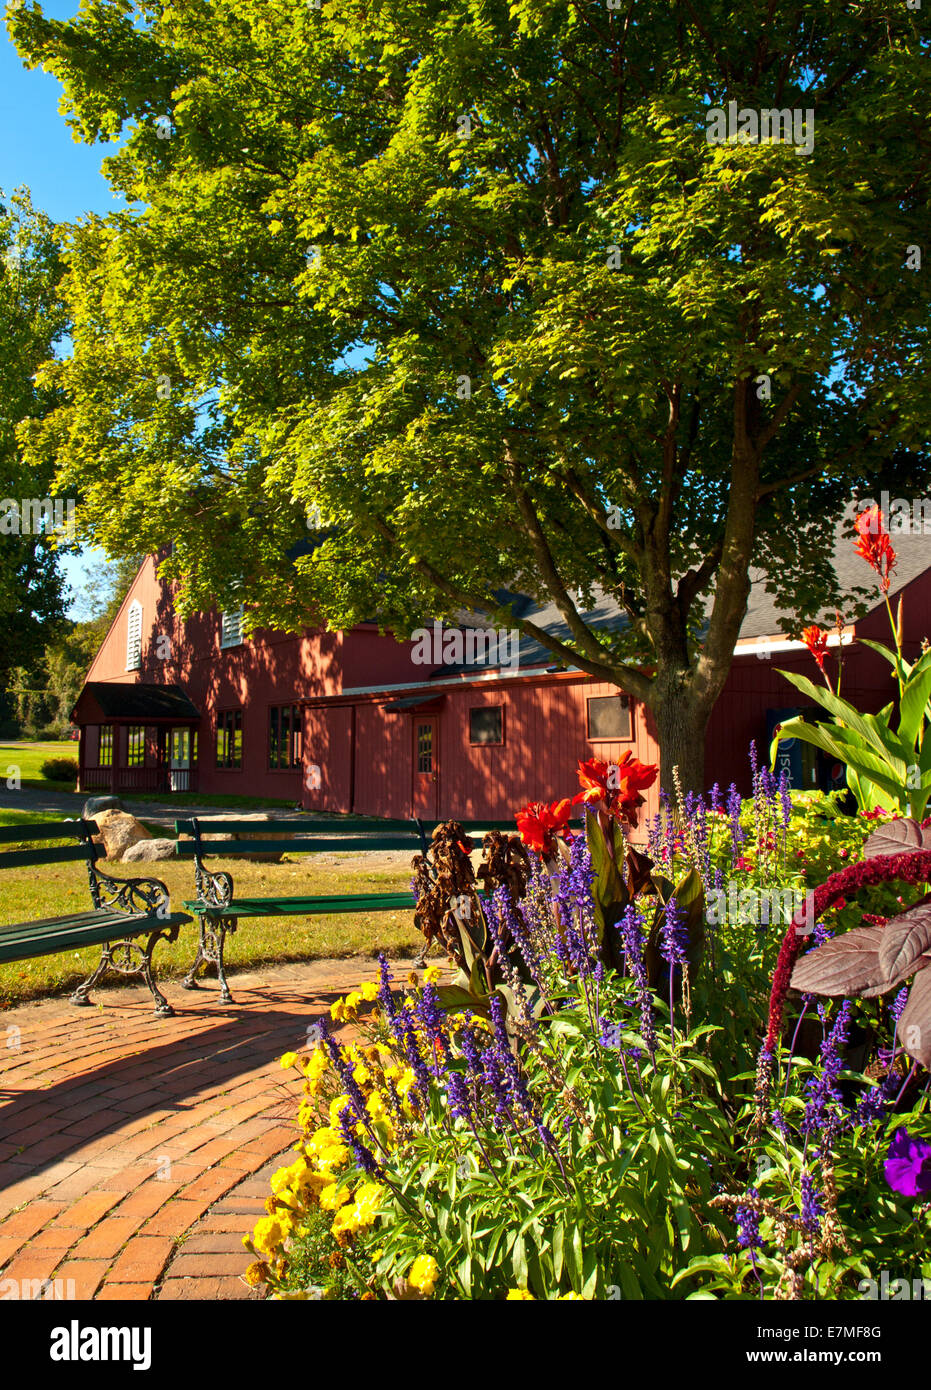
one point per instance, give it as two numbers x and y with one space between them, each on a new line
136 738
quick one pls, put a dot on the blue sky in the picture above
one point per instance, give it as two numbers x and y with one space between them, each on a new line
37 149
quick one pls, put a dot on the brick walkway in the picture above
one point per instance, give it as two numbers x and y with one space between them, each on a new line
135 1151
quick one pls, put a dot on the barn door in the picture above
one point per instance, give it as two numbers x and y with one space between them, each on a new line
426 767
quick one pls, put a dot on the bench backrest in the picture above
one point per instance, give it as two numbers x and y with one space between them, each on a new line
303 836
36 832
313 836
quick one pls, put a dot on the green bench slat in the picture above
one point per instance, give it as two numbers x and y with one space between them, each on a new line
307 825
299 845
23 941
16 858
44 830
304 907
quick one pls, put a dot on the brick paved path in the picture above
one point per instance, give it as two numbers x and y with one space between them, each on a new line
135 1151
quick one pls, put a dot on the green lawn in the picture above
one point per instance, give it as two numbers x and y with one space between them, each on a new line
55 889
28 759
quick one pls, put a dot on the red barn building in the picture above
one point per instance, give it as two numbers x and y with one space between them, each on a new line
357 721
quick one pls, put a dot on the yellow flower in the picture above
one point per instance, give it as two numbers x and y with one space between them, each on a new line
412 978
361 1074
369 1198
323 1139
338 1011
333 1157
369 990
432 975
424 1274
269 1233
375 1106
282 1179
520 1294
332 1198
337 1106
570 1297
257 1273
405 1081
344 1223
316 1064
287 1060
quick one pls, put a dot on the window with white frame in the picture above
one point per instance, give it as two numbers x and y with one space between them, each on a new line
231 627
134 636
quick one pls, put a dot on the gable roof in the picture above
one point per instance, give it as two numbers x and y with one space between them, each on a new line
761 620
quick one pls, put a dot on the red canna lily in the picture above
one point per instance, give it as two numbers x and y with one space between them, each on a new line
816 640
539 824
874 546
616 787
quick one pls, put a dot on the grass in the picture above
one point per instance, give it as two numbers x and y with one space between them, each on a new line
29 757
52 890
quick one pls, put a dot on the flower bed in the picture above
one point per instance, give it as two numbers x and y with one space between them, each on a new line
585 1112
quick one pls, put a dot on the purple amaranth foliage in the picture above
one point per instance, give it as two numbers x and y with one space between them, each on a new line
812 1210
633 940
748 1225
673 934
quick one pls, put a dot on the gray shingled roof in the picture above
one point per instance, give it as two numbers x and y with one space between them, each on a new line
763 612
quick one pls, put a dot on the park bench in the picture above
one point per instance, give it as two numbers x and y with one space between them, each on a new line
123 909
217 908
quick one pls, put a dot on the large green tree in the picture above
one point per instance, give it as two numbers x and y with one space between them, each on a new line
32 321
469 283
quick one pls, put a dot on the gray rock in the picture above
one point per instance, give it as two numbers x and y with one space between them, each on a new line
148 851
95 804
118 832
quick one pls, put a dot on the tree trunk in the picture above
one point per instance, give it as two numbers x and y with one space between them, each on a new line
681 725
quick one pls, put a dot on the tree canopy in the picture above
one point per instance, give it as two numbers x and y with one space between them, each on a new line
32 320
470 285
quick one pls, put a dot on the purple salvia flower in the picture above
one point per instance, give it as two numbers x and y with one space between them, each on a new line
748 1225
733 808
673 934
897 1007
812 1210
363 1155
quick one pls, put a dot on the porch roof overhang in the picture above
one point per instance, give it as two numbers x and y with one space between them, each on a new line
420 704
112 702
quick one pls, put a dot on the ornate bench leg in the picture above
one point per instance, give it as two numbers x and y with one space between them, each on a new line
162 1007
82 995
129 959
213 932
190 979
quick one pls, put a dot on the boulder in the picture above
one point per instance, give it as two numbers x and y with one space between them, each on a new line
148 851
118 831
94 805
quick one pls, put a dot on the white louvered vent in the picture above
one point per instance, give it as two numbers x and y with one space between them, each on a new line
231 628
134 636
